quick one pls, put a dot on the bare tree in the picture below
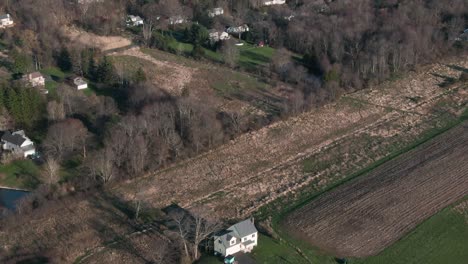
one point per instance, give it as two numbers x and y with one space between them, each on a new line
55 111
202 226
51 170
102 164
230 53
62 137
147 32
180 217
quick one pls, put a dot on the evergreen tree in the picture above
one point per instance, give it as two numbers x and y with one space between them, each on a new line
22 63
105 72
64 60
198 52
92 69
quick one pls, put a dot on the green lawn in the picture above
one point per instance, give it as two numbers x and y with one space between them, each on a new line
443 238
267 251
20 174
55 73
252 57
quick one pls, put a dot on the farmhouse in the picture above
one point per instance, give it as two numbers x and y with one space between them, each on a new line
273 2
80 83
216 35
241 237
134 21
215 12
6 21
35 79
18 143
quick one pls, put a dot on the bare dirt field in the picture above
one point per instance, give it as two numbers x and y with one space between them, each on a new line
171 77
103 43
366 215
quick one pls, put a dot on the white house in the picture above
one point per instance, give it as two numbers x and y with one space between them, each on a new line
174 20
217 11
216 35
19 143
80 83
239 29
134 21
6 21
273 2
241 237
35 79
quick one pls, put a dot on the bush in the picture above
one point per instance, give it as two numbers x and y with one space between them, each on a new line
464 76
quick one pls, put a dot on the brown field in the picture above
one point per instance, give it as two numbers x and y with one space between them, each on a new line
103 43
368 214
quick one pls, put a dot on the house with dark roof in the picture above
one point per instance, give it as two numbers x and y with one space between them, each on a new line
241 237
18 143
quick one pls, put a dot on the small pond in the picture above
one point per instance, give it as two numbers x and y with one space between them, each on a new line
8 198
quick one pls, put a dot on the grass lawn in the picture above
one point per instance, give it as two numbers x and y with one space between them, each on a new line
55 73
252 57
443 238
51 86
268 250
20 174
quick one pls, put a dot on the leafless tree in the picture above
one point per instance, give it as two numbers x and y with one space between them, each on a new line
102 165
51 170
183 225
230 53
55 111
202 227
147 32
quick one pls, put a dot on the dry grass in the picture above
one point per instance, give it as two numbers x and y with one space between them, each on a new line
87 39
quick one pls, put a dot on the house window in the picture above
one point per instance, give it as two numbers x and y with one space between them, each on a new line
253 235
233 241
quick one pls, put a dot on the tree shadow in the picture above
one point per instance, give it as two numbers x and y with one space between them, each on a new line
114 222
447 80
457 68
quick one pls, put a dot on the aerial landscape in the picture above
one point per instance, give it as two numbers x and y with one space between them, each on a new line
234 131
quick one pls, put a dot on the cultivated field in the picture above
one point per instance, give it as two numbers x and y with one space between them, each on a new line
368 214
440 239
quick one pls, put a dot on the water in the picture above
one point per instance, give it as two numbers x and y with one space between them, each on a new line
8 198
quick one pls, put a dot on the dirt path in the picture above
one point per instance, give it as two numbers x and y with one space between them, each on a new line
174 82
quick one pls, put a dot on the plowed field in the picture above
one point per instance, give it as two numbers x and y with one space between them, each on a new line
366 215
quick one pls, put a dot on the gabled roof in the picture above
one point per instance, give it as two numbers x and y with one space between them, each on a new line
34 75
79 81
244 228
225 238
14 138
